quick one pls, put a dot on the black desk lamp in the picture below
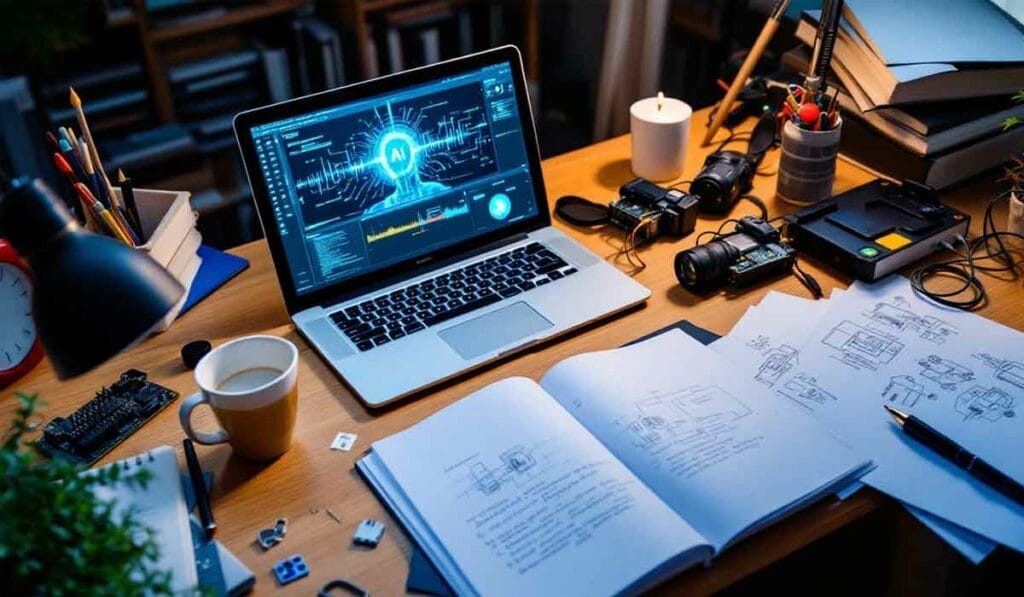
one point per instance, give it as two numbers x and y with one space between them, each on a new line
92 295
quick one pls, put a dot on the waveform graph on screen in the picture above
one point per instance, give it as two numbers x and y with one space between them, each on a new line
398 153
420 221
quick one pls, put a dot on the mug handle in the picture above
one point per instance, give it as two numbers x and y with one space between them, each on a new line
200 437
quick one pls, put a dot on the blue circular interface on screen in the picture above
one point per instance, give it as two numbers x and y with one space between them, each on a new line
500 206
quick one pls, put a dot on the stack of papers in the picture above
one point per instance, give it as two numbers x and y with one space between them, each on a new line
842 359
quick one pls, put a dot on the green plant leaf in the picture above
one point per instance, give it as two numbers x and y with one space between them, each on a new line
1011 122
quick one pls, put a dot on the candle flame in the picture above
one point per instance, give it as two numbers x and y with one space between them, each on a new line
661 100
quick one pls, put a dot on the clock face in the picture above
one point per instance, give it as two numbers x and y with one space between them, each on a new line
17 330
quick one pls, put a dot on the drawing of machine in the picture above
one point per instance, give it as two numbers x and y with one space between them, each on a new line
1012 372
861 347
902 389
778 361
805 391
944 372
989 404
899 316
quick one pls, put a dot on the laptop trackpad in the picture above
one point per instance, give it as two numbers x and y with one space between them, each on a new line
494 330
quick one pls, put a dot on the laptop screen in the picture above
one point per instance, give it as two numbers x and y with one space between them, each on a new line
362 185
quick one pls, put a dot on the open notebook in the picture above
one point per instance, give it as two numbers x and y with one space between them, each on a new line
619 469
161 507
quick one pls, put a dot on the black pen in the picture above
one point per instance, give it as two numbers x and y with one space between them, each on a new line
195 472
952 451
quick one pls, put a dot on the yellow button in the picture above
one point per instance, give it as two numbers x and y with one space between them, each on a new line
893 241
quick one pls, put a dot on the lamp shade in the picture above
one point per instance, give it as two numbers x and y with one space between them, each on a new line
92 295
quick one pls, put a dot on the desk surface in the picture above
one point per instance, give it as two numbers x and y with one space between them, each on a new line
311 478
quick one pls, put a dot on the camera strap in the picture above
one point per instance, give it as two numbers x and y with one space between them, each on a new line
580 211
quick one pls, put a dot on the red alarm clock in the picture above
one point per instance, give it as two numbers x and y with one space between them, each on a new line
20 350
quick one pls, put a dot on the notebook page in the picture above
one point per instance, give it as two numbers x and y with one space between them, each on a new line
522 499
160 506
723 453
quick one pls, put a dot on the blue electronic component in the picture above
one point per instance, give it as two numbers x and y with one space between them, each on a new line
291 569
364 185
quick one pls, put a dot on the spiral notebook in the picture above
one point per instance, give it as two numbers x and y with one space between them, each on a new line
160 506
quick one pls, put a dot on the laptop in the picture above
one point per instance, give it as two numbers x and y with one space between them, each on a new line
409 226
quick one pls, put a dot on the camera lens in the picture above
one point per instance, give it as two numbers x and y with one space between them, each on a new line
703 267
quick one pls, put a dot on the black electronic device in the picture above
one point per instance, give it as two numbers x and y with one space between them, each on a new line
656 210
106 420
753 252
725 177
875 229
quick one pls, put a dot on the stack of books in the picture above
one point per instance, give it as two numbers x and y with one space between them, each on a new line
925 87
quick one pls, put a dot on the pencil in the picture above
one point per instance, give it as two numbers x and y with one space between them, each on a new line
774 18
128 197
102 214
76 103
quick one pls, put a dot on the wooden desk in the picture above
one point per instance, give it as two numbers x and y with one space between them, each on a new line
310 478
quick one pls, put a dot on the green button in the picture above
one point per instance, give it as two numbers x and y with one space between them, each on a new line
868 252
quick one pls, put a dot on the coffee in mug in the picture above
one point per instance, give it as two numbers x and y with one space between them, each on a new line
251 384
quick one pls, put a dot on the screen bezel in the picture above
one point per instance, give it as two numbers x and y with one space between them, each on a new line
245 121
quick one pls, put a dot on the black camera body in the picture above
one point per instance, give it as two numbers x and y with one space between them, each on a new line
657 210
725 176
752 253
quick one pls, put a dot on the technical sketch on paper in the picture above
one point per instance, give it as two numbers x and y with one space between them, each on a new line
514 466
778 361
804 389
944 372
861 347
985 404
759 342
898 315
905 391
1012 372
689 414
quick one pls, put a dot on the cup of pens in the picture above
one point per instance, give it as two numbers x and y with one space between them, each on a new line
159 223
810 146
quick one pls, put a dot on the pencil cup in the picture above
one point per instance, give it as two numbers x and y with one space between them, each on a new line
807 167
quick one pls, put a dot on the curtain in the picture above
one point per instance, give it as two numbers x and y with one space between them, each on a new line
631 63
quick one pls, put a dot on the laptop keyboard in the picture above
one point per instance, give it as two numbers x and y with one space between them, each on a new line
414 308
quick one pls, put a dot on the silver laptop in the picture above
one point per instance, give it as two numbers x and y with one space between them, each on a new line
409 225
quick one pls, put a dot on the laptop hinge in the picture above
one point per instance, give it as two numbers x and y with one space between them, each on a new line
425 269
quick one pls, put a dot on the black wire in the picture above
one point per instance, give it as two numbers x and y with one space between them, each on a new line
965 269
717 233
759 203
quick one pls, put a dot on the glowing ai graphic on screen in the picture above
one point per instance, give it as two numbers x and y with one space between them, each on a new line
395 155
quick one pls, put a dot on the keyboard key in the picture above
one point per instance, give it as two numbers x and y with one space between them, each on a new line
550 268
378 322
555 275
395 335
543 281
534 247
527 285
382 339
409 329
357 329
509 292
570 271
409 319
462 309
352 311
364 345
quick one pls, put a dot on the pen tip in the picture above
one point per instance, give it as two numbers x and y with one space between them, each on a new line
899 415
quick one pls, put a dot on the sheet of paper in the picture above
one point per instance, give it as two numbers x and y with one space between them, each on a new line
880 344
517 492
972 546
721 451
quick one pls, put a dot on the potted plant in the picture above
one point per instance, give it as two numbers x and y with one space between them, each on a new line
56 536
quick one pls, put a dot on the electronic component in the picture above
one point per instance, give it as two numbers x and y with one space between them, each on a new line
291 569
726 176
368 533
268 538
875 229
656 210
750 254
106 420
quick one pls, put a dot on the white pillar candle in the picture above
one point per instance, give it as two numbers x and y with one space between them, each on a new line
660 127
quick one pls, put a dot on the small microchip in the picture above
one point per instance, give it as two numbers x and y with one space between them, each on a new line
369 533
291 569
